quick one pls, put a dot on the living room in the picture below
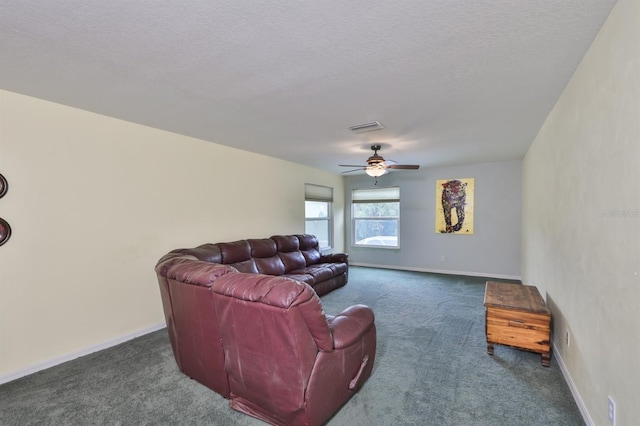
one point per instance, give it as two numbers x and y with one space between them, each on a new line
99 200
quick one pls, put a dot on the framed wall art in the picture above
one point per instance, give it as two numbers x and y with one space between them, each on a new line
454 206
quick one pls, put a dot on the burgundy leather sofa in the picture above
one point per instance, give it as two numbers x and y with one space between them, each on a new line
287 362
264 342
293 256
185 289
186 277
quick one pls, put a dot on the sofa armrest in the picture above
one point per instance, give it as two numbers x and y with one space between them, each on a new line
335 258
189 270
350 325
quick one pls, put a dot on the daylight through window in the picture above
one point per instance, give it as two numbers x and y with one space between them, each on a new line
318 204
376 217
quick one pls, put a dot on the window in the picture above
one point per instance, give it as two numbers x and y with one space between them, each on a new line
318 203
375 217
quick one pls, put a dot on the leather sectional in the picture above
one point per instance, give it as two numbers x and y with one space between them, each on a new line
215 296
293 256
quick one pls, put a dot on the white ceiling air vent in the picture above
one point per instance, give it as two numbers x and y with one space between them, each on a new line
366 127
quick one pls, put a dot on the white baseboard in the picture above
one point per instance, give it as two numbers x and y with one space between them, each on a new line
5 378
574 391
438 271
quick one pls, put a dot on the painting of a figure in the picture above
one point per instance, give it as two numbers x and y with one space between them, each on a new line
454 206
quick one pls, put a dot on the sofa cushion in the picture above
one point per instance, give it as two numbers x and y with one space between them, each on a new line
337 268
289 251
265 255
311 256
286 243
270 265
238 255
247 266
302 277
322 271
292 261
318 273
309 248
237 251
263 247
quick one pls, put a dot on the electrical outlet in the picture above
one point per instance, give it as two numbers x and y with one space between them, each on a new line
568 339
443 258
612 412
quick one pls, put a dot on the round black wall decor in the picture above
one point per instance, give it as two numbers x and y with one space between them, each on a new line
5 231
4 186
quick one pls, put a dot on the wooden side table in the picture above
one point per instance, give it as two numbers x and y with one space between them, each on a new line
516 316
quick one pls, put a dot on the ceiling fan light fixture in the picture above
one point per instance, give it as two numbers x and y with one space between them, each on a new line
376 171
377 166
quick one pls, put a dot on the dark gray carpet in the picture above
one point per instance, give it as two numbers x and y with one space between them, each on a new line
432 368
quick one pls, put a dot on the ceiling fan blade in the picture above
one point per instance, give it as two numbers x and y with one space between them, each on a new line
354 170
351 165
403 166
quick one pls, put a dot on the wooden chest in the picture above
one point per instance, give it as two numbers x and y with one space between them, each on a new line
516 315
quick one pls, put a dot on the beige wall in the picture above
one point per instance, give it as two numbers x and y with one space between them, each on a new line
94 202
581 219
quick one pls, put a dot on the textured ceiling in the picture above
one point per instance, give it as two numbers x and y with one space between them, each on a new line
453 82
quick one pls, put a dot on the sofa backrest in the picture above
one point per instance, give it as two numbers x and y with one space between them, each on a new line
280 319
205 252
277 255
187 299
265 256
310 248
238 255
289 252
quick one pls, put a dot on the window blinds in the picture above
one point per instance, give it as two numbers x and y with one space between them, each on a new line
318 193
378 195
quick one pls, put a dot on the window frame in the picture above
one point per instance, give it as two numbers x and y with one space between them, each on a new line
321 194
375 196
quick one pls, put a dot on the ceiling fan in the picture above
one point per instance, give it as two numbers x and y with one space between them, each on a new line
377 166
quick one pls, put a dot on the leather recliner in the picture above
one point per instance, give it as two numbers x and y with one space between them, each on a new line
287 362
187 300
